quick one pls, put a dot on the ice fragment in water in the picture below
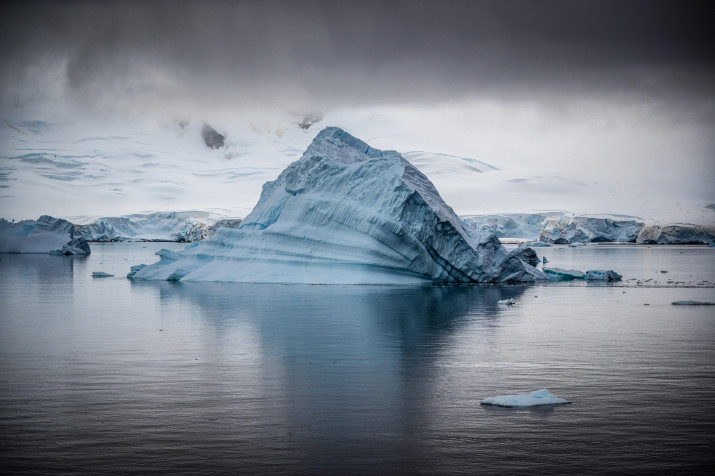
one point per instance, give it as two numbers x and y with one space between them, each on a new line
558 274
602 275
539 397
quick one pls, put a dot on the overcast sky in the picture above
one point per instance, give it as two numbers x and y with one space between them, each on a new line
624 85
327 54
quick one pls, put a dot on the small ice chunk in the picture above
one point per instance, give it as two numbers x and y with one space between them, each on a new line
537 244
507 302
539 397
558 274
693 303
602 275
101 274
576 245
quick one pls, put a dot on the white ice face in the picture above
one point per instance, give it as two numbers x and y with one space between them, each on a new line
350 214
158 226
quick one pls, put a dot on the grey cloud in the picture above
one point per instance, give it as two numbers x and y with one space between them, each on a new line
322 54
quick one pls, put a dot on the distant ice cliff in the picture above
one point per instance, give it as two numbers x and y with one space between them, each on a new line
44 235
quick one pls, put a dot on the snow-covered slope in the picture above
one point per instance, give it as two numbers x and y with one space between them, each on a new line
347 213
44 235
111 170
77 166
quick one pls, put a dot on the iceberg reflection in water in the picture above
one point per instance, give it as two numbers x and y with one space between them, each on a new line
109 375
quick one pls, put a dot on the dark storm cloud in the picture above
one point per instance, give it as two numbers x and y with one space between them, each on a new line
321 54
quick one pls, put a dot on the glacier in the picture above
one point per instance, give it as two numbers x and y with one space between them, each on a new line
45 235
346 213
158 226
676 234
591 229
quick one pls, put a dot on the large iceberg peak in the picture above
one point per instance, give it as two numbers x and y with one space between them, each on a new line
347 213
342 147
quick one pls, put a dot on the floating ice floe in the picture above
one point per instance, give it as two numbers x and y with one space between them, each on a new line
507 302
558 274
602 275
44 235
537 244
101 274
539 397
346 213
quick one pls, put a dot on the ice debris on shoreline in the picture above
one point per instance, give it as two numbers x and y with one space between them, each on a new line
346 213
539 397
45 235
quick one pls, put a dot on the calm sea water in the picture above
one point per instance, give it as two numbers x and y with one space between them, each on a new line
105 375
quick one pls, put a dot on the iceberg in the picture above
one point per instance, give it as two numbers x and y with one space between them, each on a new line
527 255
223 223
591 229
346 213
539 397
676 234
45 235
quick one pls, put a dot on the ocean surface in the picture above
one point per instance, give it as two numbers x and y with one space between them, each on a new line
109 376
